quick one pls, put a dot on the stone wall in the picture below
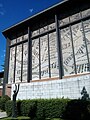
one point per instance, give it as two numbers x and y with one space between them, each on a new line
67 88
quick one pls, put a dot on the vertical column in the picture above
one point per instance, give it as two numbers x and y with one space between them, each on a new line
15 63
39 58
6 64
22 63
29 75
59 48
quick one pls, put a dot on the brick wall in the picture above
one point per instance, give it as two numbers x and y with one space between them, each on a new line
0 91
8 90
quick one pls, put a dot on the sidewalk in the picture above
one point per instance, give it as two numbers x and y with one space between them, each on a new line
3 114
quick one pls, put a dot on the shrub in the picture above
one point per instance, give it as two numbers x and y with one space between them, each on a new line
8 108
77 110
28 108
6 97
39 109
51 108
3 101
19 107
40 113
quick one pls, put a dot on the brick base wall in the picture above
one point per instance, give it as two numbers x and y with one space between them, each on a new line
0 91
8 90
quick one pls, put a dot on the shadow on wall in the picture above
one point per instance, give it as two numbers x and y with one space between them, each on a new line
78 109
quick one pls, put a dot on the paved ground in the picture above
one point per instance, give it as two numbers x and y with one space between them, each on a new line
3 114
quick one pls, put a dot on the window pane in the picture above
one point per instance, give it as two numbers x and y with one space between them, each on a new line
13 41
68 61
19 39
86 13
43 27
75 17
53 55
35 59
34 33
79 48
87 35
25 36
51 26
64 21
11 65
25 62
18 64
44 56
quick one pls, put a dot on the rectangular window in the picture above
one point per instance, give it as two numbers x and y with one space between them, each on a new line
75 17
86 13
34 33
13 41
44 57
87 37
51 26
19 39
79 48
53 55
64 21
18 63
43 27
67 53
11 65
25 62
35 59
25 37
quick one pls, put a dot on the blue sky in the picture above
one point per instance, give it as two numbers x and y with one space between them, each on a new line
14 11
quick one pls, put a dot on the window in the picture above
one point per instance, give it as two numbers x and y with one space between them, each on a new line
35 59
11 65
18 63
19 39
87 38
25 36
25 62
13 41
75 17
67 52
79 48
53 55
43 27
64 21
44 57
86 13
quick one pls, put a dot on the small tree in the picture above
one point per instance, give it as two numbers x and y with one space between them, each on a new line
85 95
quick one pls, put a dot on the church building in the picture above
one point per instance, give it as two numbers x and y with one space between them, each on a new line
48 54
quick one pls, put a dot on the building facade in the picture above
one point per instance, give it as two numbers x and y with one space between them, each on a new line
49 53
